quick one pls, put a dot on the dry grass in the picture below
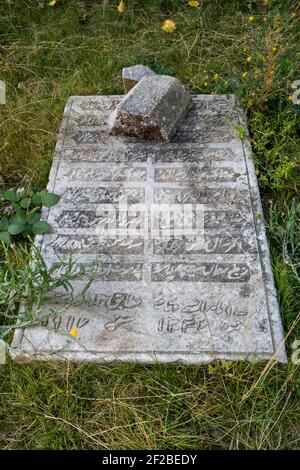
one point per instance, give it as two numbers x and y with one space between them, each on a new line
47 54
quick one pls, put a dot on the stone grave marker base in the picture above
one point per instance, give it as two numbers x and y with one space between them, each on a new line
157 295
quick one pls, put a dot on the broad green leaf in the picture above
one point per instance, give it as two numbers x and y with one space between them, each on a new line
16 228
18 219
11 195
49 199
5 237
36 199
21 213
4 223
25 202
40 227
33 217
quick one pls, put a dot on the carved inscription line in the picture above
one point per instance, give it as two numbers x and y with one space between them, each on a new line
125 173
104 155
224 219
111 302
200 272
199 196
222 174
232 243
65 322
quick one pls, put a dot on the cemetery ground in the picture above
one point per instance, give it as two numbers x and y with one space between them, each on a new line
250 48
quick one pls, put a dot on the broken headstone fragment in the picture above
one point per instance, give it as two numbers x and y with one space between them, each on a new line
153 109
132 75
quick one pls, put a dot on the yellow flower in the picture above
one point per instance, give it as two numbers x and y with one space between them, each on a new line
121 7
293 14
251 18
52 3
245 49
266 2
249 58
244 74
274 49
205 84
193 3
168 26
73 332
216 76
290 98
250 103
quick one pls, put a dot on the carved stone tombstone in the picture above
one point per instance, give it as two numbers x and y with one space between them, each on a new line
183 272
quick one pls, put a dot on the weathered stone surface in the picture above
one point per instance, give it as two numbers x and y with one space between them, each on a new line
153 109
132 75
176 299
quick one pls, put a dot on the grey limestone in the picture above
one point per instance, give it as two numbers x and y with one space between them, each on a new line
155 296
132 75
153 109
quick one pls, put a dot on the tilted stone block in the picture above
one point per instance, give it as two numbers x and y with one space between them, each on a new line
132 75
153 109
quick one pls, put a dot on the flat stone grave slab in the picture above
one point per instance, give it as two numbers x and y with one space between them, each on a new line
174 237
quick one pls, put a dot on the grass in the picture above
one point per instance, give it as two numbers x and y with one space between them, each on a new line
79 47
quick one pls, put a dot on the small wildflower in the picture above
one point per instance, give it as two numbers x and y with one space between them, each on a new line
8 209
249 58
73 332
52 3
205 83
193 3
266 2
168 26
274 49
245 49
251 18
244 74
216 76
121 7
293 14
250 103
